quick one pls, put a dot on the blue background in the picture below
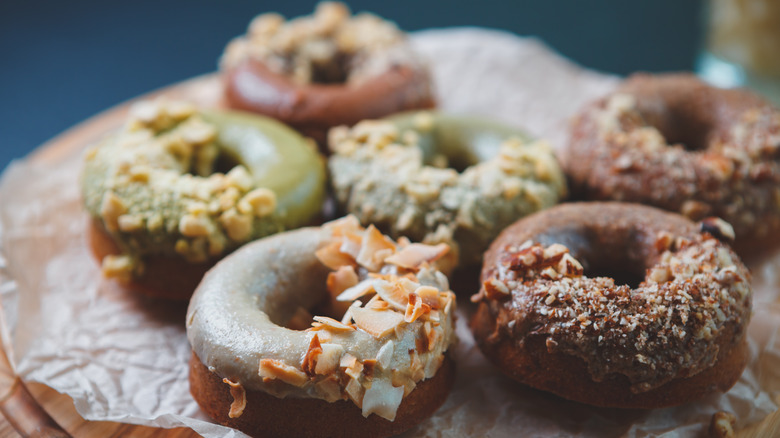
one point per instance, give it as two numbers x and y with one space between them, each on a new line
63 61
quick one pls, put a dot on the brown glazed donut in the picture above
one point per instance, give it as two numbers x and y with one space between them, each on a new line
551 317
326 70
676 143
263 364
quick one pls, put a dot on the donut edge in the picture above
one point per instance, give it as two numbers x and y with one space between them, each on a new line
268 416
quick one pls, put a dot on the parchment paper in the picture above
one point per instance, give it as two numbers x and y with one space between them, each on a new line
124 358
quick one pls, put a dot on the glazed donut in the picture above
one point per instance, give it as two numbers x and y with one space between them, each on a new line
673 142
551 317
434 177
162 211
330 69
264 365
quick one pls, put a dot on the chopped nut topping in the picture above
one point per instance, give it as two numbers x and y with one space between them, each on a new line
663 327
155 180
722 425
119 267
719 228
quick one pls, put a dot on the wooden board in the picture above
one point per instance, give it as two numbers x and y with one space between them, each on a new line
205 90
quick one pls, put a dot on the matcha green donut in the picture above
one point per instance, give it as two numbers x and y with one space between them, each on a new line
437 177
195 185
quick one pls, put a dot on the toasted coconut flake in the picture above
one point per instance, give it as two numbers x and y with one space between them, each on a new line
430 296
340 227
301 320
239 398
354 370
355 391
416 369
328 360
332 324
351 244
331 256
360 289
347 318
396 293
275 369
369 365
432 335
399 379
415 309
309 362
383 399
377 303
385 354
415 254
375 249
342 279
329 389
377 323
347 361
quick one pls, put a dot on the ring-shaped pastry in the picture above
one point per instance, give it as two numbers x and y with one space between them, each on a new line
614 304
676 143
253 336
437 177
176 189
326 70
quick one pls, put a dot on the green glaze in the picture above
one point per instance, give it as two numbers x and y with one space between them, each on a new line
436 177
275 156
464 140
278 158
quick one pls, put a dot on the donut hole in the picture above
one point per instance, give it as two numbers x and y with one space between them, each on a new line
620 254
683 117
623 275
459 142
225 162
686 127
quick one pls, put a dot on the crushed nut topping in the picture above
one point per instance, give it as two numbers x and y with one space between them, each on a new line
734 175
330 46
722 425
664 328
383 180
153 187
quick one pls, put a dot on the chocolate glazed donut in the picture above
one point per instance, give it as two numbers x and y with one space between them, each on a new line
676 143
550 317
315 108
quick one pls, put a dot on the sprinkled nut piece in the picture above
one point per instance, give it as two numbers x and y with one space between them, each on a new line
314 49
722 425
718 157
381 175
154 190
673 326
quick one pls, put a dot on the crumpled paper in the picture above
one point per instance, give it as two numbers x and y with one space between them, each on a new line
124 358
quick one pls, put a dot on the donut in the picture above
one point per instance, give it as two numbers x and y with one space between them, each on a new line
436 177
676 143
176 189
263 364
326 70
615 305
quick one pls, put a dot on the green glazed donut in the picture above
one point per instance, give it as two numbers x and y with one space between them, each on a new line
183 187
437 177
